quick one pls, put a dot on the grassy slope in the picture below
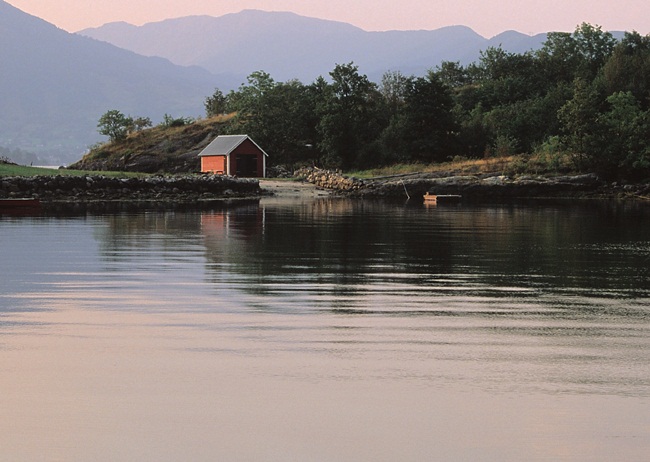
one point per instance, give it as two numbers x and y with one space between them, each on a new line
160 148
21 170
175 149
511 165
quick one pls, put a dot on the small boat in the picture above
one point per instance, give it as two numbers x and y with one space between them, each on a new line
441 198
19 205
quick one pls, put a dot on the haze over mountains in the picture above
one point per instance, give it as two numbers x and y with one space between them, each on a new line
289 46
54 85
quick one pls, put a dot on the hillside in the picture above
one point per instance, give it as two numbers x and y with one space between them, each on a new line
155 150
289 46
54 86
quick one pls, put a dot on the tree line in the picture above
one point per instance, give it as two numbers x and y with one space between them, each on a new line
583 98
583 95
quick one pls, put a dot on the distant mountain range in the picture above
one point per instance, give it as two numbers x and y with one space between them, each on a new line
54 85
289 46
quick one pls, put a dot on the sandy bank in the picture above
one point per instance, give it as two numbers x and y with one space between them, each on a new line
293 189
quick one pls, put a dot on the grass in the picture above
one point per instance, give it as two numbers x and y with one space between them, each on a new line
21 170
160 144
457 167
537 164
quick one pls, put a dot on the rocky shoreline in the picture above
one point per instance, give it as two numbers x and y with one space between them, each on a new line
475 187
98 188
89 191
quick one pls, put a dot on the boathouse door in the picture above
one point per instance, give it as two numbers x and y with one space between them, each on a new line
246 165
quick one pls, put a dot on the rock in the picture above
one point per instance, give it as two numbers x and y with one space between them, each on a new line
495 180
328 179
589 178
494 186
94 188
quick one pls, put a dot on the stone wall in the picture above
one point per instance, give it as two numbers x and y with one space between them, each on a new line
102 188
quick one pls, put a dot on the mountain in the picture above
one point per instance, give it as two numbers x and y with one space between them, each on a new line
288 46
54 86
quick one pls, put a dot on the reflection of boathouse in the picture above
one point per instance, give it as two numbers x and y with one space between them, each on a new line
238 223
236 155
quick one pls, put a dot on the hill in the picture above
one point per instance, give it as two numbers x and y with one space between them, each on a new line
160 149
287 45
54 86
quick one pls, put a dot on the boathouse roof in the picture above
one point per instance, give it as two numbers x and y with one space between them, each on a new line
223 145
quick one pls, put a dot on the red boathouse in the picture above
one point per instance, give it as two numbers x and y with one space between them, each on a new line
236 155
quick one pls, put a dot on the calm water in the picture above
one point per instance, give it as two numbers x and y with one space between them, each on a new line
327 330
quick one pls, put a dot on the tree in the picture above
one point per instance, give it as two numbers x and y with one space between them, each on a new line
594 47
565 57
216 104
429 123
452 74
250 102
250 96
280 116
115 125
352 118
393 88
284 121
140 123
559 58
578 118
628 68
506 78
623 134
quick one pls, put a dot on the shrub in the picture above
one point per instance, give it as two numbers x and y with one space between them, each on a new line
169 121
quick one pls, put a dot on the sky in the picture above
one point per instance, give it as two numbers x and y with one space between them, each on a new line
486 17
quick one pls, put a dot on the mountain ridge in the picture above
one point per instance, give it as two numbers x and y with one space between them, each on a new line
288 45
55 85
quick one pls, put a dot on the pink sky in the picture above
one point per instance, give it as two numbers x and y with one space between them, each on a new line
487 17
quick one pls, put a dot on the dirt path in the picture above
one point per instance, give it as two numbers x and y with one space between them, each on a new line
293 189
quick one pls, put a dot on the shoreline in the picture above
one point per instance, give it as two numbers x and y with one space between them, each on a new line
97 188
477 187
98 193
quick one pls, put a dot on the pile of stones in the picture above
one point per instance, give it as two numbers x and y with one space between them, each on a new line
329 179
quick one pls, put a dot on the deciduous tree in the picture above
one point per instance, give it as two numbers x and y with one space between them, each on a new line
115 125
352 118
216 104
429 124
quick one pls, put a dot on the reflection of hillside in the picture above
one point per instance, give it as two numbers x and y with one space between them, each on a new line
262 240
348 243
136 234
358 247
131 238
344 242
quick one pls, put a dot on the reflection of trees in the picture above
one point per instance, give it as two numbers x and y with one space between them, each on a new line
341 249
166 236
133 236
348 244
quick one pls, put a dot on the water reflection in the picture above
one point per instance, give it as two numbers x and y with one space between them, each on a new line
397 329
353 257
357 256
